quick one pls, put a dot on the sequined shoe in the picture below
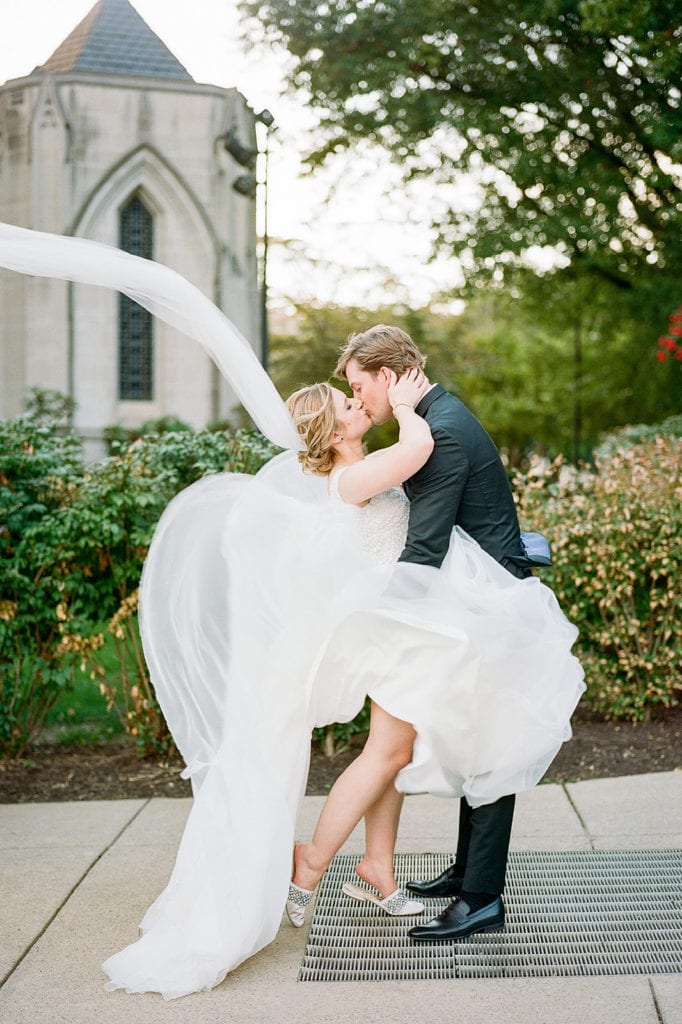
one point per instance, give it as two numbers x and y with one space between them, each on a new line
297 901
398 904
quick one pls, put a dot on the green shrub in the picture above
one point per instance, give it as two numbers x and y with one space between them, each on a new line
628 437
73 540
118 437
616 535
40 465
336 737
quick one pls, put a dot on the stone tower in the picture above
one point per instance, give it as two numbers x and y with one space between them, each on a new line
112 139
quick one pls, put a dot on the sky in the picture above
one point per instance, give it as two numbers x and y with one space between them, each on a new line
368 247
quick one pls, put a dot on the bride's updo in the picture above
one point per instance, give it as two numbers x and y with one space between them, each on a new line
312 410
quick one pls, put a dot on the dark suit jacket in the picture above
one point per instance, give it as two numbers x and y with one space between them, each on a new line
463 483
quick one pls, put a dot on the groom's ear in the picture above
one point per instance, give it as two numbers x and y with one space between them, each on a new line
385 374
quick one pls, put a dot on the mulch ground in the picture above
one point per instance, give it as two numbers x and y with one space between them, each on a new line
113 771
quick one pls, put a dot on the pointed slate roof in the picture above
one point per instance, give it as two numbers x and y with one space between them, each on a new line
114 39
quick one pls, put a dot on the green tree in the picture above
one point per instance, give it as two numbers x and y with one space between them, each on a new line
545 371
565 112
589 337
310 354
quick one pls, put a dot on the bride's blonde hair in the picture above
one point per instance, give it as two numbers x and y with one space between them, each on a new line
312 410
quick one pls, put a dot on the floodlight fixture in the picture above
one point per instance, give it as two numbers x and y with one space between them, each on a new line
241 153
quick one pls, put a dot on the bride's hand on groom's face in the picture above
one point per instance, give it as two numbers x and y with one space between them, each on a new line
408 389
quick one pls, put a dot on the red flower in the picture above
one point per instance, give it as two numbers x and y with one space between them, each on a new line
671 343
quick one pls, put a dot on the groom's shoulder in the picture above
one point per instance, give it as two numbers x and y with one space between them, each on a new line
445 408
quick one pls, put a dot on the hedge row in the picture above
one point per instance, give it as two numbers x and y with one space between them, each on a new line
73 539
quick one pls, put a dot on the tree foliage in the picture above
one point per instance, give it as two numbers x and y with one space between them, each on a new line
545 373
566 113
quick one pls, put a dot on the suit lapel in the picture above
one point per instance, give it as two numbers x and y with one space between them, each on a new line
421 409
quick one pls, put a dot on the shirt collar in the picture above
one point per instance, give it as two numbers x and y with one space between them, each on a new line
434 392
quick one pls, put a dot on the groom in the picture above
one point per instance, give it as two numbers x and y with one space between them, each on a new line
463 483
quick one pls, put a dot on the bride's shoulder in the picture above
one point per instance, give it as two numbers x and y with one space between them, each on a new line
333 481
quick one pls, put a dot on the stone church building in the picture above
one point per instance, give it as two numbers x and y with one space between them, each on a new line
112 139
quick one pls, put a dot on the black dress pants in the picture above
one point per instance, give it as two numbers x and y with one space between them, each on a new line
483 844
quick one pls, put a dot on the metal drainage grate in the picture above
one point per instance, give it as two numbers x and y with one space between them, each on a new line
574 913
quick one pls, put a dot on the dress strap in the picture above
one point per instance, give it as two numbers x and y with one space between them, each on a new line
334 478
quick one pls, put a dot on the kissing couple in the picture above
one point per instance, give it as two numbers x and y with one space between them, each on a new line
398 575
273 604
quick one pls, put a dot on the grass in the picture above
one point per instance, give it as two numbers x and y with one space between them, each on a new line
80 716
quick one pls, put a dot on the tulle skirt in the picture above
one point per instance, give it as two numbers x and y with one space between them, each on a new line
261 618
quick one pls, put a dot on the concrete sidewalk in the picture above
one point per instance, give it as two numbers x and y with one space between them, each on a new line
77 878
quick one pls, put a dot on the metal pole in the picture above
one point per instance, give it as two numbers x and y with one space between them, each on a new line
577 387
265 337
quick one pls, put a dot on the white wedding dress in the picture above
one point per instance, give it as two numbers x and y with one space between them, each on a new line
268 607
264 616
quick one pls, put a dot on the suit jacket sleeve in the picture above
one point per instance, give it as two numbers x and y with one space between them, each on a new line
435 493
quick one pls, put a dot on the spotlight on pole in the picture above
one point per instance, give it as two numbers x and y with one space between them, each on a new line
241 153
246 185
266 118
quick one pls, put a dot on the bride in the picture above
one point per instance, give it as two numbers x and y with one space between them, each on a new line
332 427
273 604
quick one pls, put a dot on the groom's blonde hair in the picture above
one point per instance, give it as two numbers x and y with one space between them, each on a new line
379 346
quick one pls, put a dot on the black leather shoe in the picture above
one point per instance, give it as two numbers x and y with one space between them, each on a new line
456 922
447 884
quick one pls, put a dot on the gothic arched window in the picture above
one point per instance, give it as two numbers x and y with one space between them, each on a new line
135 366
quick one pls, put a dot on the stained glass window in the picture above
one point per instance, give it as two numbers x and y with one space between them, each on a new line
135 352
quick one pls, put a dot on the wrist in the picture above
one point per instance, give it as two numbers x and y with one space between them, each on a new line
405 405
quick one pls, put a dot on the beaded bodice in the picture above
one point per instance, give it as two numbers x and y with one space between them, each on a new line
383 521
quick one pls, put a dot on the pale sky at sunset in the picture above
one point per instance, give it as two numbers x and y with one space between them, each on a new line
359 236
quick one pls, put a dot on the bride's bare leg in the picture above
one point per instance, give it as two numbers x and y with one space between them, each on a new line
381 832
387 750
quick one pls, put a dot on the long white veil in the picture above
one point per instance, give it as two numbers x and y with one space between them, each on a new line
215 629
167 295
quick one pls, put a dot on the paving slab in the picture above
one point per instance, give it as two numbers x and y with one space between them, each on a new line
45 850
264 991
161 821
72 823
545 819
667 991
59 978
632 812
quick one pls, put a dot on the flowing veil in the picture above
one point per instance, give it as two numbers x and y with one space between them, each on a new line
167 295
209 579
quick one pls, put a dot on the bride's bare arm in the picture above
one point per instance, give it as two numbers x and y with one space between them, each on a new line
393 465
